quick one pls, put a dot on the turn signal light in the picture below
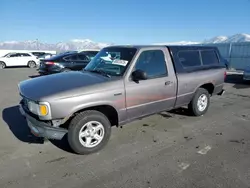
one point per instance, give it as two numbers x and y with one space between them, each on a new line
43 110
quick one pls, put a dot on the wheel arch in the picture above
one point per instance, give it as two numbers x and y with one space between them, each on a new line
209 86
108 110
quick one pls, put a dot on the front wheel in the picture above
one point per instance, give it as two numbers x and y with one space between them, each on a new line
200 102
89 132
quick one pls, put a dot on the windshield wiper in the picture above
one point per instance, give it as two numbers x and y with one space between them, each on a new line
100 72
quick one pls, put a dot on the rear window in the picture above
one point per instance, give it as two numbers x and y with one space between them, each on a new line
189 58
209 57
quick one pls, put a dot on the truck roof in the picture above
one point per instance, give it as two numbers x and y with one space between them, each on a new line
172 47
174 51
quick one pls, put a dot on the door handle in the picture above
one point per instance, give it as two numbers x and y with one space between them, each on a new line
168 83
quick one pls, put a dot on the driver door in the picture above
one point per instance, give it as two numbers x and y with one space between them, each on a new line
157 92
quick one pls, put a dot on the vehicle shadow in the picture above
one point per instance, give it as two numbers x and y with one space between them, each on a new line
182 111
17 124
21 67
35 76
62 144
238 81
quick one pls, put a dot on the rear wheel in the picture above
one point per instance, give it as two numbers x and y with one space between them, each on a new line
200 102
2 65
89 132
31 64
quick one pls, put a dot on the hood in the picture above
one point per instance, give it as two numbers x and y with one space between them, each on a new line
59 85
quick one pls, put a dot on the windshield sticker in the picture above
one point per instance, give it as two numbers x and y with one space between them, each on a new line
120 62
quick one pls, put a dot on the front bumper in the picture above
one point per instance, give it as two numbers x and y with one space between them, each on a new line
42 129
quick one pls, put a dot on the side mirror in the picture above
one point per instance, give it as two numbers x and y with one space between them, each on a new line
139 75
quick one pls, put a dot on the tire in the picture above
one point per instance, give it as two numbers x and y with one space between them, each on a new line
78 125
196 107
31 64
2 65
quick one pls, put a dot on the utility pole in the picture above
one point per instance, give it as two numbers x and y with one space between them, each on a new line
37 44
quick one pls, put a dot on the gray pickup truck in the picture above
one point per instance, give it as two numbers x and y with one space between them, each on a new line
121 84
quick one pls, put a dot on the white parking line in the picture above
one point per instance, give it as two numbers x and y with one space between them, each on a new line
205 150
184 166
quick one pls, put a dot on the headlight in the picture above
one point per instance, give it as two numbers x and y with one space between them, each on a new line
38 109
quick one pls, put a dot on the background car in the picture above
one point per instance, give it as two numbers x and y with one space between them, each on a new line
38 54
246 73
90 52
18 59
70 61
46 55
226 63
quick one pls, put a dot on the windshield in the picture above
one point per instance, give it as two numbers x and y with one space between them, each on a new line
112 60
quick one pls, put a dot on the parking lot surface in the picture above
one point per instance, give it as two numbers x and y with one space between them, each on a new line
164 150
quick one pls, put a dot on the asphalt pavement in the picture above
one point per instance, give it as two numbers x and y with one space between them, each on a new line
169 149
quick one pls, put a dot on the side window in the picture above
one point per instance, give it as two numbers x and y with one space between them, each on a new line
14 55
189 58
209 57
82 57
24 55
153 63
71 58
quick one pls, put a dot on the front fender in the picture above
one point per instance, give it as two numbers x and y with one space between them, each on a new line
92 104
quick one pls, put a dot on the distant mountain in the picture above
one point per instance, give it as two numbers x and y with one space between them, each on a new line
220 39
75 44
79 44
234 38
177 43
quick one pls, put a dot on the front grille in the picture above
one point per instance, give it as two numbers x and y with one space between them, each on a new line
24 103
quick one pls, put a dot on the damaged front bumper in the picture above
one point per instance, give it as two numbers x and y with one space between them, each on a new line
42 129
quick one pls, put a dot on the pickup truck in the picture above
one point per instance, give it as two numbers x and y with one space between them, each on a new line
139 81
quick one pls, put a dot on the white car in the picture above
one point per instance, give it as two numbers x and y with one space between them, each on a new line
18 59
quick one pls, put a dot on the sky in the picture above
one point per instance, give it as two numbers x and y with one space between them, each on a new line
122 21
